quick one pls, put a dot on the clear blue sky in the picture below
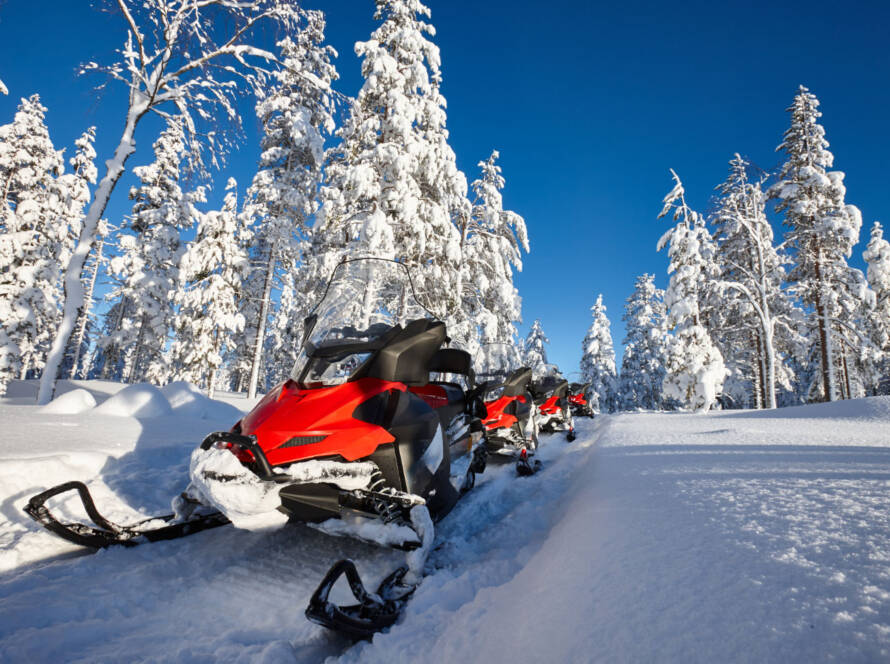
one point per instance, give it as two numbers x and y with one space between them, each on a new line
588 103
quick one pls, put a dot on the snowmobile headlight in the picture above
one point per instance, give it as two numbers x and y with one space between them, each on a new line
243 455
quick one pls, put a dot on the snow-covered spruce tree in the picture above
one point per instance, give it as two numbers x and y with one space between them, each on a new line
695 369
755 318
645 347
148 266
877 257
491 241
3 89
77 187
211 271
32 236
822 230
534 355
296 117
186 59
598 360
392 185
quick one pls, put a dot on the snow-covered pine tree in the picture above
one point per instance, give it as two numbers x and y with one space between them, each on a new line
296 116
598 360
876 354
491 243
211 272
148 266
695 369
822 230
534 355
645 347
877 257
3 89
755 319
393 189
185 60
77 186
32 236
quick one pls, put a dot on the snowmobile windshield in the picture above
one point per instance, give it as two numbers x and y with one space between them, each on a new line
494 363
367 301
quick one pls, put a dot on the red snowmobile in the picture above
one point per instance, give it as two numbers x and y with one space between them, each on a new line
551 396
578 403
510 422
359 429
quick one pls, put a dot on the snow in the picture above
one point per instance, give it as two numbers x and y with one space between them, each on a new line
671 537
139 400
70 403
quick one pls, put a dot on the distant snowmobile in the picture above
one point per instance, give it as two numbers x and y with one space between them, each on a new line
510 415
578 402
358 430
551 396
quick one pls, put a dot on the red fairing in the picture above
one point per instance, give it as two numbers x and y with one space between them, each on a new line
495 417
578 399
290 412
550 406
434 395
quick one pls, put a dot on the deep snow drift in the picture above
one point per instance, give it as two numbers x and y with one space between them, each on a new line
653 537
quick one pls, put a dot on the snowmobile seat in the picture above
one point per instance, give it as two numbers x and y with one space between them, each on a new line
405 357
454 361
549 386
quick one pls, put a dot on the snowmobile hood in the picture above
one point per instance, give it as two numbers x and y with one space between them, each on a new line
293 423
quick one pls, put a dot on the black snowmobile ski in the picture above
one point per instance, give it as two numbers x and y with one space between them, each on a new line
526 466
106 533
373 612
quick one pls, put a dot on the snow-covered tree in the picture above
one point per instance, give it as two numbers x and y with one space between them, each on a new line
3 89
877 257
190 60
756 314
148 266
32 238
695 368
211 270
392 188
296 117
491 243
822 230
874 356
598 360
534 355
645 350
77 187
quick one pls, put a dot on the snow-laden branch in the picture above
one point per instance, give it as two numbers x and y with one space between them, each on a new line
164 62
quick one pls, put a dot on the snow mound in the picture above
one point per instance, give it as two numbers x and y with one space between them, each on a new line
139 400
187 400
866 408
70 403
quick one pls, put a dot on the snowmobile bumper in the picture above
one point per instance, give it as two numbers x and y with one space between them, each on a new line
105 533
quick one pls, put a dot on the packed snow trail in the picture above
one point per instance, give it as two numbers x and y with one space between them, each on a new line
725 537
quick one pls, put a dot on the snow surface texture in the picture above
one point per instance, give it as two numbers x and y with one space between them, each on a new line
730 537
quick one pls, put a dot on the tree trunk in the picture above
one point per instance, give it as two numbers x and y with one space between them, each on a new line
85 314
261 326
73 288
